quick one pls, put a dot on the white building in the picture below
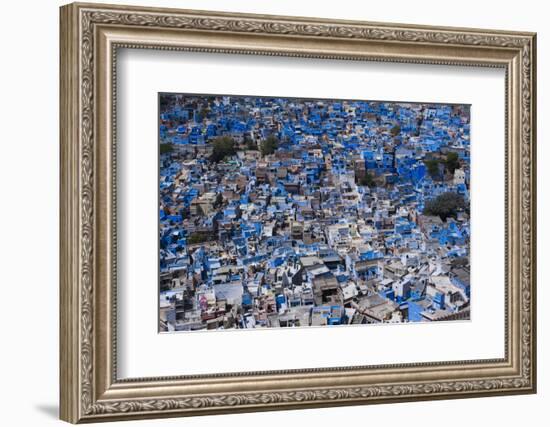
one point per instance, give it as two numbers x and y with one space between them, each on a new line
459 177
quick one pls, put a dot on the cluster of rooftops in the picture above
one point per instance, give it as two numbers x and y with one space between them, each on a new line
313 215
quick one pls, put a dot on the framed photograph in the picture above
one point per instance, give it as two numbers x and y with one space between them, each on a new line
266 212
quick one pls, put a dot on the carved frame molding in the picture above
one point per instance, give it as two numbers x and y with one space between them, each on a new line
90 37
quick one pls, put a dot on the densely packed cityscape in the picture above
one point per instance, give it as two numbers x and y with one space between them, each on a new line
282 212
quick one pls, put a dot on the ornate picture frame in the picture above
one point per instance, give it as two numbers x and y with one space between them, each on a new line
90 37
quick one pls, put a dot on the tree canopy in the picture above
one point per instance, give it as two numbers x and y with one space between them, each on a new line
395 130
433 168
452 162
166 148
445 205
249 144
199 237
222 147
269 145
219 200
367 180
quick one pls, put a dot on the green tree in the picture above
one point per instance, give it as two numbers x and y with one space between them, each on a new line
269 145
249 144
367 180
166 148
445 205
219 200
452 162
201 114
198 237
222 147
395 130
433 167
